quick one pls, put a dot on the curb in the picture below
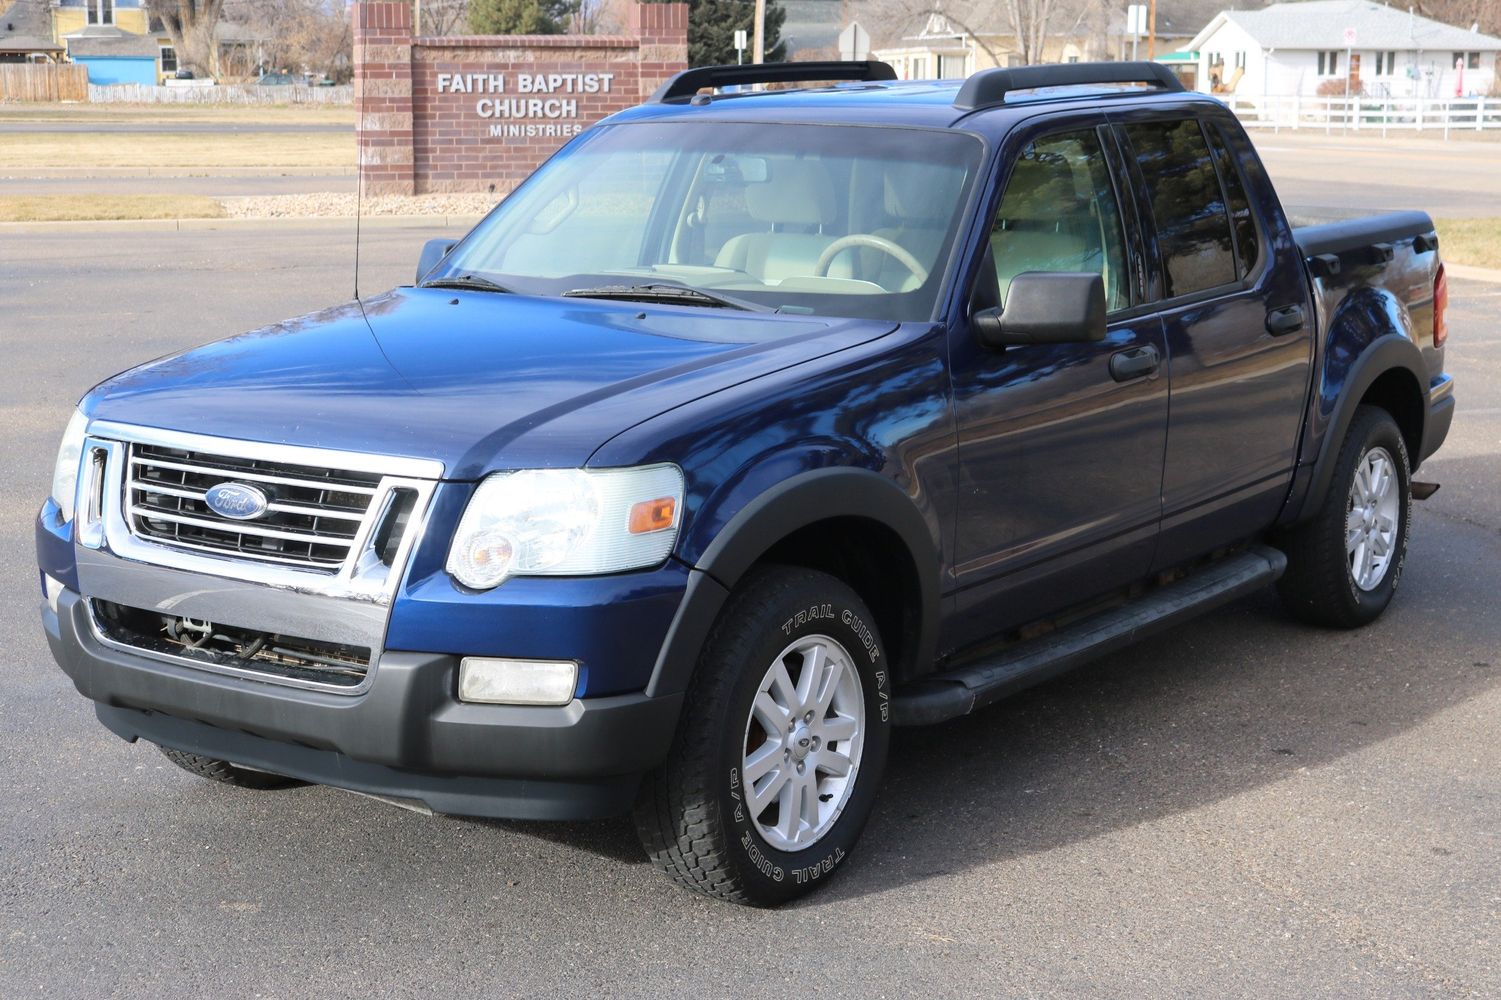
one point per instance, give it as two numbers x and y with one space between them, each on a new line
199 225
1467 273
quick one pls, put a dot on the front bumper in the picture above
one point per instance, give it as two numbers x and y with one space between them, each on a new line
405 737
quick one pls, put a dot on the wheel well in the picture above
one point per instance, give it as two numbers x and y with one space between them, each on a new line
1397 392
873 560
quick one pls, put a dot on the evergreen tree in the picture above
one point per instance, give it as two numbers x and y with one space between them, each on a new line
712 25
520 17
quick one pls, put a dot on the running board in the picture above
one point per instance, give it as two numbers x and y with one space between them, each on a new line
940 697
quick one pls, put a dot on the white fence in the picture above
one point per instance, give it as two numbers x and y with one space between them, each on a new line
1374 114
135 93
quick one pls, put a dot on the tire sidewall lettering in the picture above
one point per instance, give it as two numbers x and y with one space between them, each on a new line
819 860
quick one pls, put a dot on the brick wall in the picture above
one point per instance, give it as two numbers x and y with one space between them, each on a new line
479 113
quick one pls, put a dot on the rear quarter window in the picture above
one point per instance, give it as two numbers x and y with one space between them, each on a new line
1247 242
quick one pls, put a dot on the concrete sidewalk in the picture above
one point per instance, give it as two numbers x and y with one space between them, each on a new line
93 173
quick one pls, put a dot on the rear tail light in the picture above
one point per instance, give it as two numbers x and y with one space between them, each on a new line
1440 305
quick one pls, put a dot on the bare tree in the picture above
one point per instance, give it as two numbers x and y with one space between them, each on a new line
191 25
1464 13
444 17
298 36
1029 23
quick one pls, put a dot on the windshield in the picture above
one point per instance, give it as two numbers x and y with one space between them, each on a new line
830 220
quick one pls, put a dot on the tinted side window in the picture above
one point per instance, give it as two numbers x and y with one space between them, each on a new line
1059 214
1193 228
1240 206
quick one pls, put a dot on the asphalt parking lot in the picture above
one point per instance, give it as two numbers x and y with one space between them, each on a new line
1243 807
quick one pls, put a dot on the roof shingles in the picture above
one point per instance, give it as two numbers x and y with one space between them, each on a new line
1321 24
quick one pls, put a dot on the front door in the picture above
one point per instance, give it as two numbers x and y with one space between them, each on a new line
1060 448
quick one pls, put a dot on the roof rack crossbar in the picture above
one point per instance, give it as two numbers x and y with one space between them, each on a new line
989 88
691 81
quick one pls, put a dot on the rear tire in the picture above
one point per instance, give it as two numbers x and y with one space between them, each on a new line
224 772
781 746
1343 565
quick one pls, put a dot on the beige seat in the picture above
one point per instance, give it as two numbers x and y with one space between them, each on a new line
1044 224
921 209
796 193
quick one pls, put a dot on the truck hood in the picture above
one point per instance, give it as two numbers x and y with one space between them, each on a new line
478 380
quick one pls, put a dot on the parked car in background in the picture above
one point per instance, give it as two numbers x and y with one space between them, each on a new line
749 427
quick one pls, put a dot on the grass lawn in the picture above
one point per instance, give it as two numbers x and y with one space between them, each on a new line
73 208
1476 242
244 114
176 149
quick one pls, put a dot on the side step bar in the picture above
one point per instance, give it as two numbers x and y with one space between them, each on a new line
940 697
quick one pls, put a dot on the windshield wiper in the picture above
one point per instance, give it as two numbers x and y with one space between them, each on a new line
473 282
664 292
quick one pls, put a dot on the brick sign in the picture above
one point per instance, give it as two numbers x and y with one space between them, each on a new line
478 113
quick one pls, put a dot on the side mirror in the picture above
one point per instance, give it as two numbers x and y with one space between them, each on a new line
433 251
1045 307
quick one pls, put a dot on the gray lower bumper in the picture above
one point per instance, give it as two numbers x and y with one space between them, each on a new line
406 736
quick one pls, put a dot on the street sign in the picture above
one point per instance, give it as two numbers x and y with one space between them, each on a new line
739 46
854 43
1136 24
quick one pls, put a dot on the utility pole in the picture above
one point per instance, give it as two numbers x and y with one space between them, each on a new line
1151 28
758 46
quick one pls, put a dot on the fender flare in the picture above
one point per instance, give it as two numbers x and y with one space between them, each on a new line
773 515
1387 353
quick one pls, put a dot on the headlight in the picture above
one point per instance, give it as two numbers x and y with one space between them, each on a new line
566 522
65 472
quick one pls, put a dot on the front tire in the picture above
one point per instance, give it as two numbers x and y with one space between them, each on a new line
1343 566
782 744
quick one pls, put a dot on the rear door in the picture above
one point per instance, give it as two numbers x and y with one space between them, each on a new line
1238 323
1060 451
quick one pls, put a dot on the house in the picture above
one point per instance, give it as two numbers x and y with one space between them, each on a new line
26 33
121 42
114 55
109 37
946 46
953 42
1323 46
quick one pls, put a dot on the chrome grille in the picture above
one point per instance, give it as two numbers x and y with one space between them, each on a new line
314 520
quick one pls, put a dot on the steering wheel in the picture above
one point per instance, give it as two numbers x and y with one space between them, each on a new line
893 250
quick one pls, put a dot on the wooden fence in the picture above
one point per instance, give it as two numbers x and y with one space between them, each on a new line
135 93
43 82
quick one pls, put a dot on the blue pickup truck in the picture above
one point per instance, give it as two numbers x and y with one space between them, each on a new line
755 423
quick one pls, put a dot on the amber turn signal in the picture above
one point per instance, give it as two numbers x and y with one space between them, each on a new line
653 515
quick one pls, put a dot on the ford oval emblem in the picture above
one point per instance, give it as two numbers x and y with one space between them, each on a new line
238 501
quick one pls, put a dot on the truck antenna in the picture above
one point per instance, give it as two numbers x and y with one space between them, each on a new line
359 193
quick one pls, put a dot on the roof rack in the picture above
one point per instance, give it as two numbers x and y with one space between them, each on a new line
989 88
691 81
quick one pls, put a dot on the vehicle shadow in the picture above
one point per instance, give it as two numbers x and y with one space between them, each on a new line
1234 701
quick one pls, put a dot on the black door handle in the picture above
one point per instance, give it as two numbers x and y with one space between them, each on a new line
1288 319
1134 363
